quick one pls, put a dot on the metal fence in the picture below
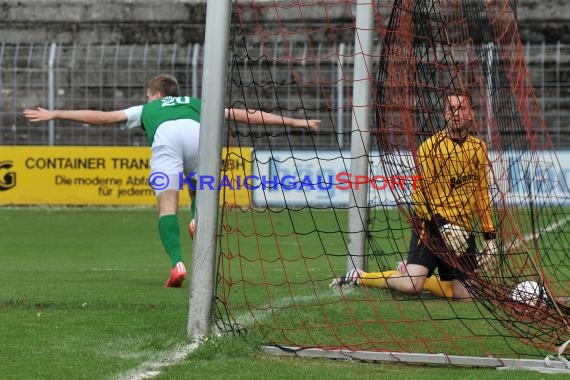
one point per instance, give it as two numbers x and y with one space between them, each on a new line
113 76
103 77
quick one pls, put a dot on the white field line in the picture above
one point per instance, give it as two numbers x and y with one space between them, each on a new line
247 319
547 229
152 368
118 270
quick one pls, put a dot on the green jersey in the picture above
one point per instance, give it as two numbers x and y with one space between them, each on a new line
155 113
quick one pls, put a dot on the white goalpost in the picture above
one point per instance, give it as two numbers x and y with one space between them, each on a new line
212 121
358 216
269 260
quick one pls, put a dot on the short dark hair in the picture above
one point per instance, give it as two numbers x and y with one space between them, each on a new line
165 84
458 95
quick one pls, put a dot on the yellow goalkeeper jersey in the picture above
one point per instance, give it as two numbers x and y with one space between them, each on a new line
454 182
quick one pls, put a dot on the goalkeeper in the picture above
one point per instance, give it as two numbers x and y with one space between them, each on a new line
172 126
450 202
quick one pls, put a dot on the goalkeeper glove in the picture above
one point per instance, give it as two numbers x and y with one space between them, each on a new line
455 238
488 254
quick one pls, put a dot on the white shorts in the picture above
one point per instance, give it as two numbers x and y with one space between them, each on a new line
174 154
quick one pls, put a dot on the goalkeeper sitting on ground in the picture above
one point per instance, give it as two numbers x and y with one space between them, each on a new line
450 201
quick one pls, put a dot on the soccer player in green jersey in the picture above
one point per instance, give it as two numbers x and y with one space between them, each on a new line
450 203
172 126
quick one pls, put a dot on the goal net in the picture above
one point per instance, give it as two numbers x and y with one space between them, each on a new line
280 250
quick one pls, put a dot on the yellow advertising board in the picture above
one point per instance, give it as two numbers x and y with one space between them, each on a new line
34 175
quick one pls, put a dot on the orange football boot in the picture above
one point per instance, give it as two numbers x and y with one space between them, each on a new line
177 276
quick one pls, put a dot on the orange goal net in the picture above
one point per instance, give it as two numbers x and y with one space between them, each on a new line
279 251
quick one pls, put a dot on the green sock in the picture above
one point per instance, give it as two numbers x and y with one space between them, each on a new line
169 230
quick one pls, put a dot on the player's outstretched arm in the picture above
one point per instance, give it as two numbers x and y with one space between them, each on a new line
259 117
81 116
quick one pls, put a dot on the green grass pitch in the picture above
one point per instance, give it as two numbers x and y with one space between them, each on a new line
82 297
